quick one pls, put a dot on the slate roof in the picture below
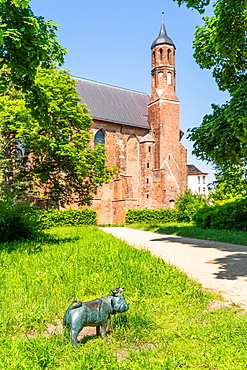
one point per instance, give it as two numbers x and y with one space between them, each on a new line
147 138
162 38
193 170
114 104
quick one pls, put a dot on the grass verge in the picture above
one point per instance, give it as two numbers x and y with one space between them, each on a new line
191 231
166 326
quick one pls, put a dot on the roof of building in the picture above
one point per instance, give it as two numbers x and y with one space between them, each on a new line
147 139
193 170
162 38
114 104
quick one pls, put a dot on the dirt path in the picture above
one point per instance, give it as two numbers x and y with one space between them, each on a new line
220 267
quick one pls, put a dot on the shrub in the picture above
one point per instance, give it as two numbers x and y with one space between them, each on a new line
231 216
69 217
188 204
17 221
150 215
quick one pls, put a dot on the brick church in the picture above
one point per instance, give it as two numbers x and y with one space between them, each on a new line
142 137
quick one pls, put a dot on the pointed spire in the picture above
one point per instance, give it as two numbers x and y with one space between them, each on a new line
162 38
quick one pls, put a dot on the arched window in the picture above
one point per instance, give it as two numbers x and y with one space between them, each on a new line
99 138
161 54
172 203
169 78
169 55
132 156
153 59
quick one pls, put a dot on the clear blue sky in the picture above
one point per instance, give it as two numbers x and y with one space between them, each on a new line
109 41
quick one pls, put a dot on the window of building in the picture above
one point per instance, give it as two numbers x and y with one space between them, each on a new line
147 196
147 181
153 59
204 179
204 190
99 138
161 54
169 78
169 55
199 179
20 147
172 203
149 149
147 165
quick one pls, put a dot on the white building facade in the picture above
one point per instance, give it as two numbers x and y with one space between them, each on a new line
197 180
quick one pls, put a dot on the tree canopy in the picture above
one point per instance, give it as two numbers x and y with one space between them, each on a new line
230 182
221 45
26 43
50 158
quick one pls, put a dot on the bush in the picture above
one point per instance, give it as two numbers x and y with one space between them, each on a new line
231 216
188 204
69 217
150 215
17 221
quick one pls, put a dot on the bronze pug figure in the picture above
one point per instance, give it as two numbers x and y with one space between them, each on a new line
93 313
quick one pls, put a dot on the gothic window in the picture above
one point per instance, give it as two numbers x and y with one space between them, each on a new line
132 156
161 54
153 59
169 55
99 138
169 78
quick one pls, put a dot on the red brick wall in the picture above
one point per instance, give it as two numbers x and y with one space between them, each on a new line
152 174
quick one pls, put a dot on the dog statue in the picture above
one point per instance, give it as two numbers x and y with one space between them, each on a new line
93 313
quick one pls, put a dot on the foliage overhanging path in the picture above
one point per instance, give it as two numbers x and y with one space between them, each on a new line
218 266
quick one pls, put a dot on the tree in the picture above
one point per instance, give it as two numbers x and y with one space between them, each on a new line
50 158
230 182
188 204
221 45
26 43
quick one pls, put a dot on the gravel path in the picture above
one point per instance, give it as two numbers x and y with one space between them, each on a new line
220 267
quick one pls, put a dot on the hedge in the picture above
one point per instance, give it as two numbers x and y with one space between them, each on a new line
151 215
17 221
69 217
230 216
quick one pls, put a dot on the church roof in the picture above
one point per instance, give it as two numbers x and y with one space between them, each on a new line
147 139
114 104
162 38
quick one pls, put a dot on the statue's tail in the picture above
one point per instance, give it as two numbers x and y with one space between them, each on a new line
74 304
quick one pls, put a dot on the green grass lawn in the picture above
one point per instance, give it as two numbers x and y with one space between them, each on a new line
191 231
166 327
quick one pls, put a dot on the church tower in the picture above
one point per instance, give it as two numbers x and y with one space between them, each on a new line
163 117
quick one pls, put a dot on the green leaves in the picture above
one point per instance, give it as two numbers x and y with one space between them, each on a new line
57 161
150 216
230 182
221 45
197 4
26 42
